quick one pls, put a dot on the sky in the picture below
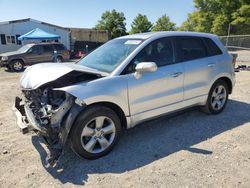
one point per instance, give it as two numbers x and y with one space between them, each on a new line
86 13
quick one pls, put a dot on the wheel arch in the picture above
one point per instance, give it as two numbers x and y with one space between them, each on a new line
228 82
116 108
70 118
17 59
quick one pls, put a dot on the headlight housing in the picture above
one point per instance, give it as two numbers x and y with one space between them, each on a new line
4 58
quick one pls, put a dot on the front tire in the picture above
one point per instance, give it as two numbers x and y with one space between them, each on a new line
217 98
17 65
95 132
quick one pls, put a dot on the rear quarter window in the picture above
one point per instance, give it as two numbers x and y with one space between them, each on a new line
213 49
59 47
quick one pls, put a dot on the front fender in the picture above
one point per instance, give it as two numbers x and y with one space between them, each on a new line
111 89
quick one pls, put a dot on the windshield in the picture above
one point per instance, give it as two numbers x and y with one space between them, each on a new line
108 56
25 48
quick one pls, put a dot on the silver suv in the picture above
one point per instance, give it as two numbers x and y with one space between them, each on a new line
126 81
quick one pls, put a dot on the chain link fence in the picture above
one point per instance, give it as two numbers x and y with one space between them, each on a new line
239 44
236 41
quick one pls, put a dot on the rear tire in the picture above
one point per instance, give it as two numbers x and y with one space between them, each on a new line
95 132
217 98
59 59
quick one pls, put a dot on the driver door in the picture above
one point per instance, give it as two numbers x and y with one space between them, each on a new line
34 55
158 92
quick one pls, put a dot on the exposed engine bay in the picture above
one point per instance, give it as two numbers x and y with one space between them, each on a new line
46 108
43 109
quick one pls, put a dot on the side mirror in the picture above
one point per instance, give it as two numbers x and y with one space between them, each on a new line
144 67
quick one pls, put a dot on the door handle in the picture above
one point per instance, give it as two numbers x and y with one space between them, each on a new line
176 74
211 65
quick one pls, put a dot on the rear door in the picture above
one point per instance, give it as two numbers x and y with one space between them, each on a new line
62 51
198 67
48 52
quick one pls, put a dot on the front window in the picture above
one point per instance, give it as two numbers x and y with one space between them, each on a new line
107 57
159 51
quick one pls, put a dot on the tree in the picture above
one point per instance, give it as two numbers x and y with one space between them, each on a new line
141 24
164 24
114 22
214 16
241 22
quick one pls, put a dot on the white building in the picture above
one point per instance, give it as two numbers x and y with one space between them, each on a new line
11 30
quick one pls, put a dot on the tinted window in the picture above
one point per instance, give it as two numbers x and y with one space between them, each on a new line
18 42
13 40
159 52
48 48
59 47
8 39
37 49
213 49
3 39
191 48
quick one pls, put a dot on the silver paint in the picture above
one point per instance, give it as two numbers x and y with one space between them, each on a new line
167 89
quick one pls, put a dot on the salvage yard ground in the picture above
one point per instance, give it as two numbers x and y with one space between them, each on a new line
189 150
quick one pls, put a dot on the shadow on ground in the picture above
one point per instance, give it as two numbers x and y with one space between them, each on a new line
149 142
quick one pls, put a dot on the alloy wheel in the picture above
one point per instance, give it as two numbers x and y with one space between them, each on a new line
218 98
98 134
17 65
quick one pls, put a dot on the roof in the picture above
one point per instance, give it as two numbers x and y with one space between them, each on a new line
32 20
38 34
167 33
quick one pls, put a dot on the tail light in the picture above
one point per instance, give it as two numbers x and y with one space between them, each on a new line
234 59
66 52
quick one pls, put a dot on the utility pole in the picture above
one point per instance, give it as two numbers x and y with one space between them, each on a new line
228 33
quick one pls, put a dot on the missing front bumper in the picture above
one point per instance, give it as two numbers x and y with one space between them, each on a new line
25 118
26 122
21 120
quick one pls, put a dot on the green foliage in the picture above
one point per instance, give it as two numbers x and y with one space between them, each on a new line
214 16
241 22
114 22
140 24
164 24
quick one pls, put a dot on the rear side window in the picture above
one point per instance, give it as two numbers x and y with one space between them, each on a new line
59 47
213 49
191 48
48 48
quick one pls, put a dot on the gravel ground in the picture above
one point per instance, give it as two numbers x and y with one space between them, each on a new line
191 149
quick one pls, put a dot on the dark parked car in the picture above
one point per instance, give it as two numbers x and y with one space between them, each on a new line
30 54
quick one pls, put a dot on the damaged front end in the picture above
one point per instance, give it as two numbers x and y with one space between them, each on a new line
47 110
42 111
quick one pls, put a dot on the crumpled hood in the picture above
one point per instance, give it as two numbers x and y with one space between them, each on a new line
11 53
40 74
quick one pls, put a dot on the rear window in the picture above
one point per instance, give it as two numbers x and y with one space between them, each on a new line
213 49
191 48
59 47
